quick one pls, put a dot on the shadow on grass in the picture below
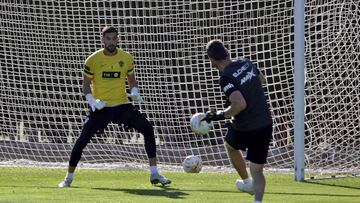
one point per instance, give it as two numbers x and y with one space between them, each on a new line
163 191
169 192
310 194
332 184
343 185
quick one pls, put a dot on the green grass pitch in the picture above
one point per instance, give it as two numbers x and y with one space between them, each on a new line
30 185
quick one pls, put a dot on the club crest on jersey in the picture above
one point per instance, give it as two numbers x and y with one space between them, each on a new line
111 74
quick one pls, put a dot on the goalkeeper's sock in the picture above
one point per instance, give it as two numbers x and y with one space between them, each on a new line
69 176
153 170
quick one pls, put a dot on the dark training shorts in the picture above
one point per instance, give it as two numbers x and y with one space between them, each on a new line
255 142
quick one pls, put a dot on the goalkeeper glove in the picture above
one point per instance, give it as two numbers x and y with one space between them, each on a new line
95 103
214 116
135 95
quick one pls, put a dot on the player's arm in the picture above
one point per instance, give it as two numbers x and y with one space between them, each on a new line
238 104
95 104
262 78
134 89
87 85
132 82
236 99
260 75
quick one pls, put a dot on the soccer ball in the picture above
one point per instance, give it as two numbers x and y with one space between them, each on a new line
198 126
192 164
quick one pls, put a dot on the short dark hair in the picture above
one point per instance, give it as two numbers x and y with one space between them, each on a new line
109 29
216 50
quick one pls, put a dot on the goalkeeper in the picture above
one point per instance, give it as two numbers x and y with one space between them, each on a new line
251 126
104 87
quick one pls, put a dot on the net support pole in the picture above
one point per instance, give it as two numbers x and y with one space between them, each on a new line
299 82
21 132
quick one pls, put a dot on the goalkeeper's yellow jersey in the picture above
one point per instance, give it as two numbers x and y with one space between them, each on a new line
108 74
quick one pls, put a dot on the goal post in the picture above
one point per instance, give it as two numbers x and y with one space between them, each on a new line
44 44
299 82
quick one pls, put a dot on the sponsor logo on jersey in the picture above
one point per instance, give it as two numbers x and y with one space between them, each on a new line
228 86
106 74
247 77
240 70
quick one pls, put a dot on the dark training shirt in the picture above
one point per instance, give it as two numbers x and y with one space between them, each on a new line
242 75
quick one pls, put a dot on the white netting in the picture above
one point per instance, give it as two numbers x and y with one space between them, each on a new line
44 44
332 86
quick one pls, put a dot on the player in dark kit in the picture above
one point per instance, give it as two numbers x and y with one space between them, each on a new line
251 125
104 86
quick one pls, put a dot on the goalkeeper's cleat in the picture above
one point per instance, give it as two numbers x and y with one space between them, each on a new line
245 187
65 183
157 178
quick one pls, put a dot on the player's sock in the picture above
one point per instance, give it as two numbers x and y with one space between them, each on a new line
69 176
257 201
153 170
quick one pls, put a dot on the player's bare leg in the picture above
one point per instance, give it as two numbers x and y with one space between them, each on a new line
239 164
237 161
259 182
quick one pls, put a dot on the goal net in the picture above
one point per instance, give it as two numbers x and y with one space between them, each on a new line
44 44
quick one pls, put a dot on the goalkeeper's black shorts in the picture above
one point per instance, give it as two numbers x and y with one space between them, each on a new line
126 115
254 142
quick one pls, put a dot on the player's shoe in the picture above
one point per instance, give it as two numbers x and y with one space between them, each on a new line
157 178
65 183
245 187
